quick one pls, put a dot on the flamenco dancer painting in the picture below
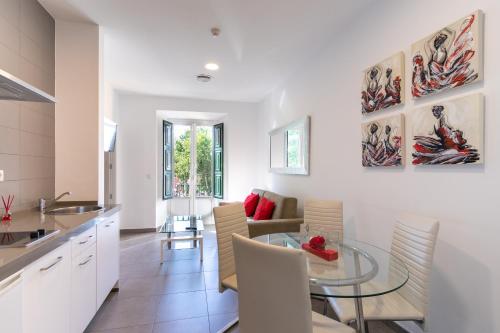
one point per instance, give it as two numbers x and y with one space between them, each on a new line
382 142
449 58
448 142
382 85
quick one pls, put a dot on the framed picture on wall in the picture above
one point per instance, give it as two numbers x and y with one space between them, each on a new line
383 85
383 142
449 58
449 132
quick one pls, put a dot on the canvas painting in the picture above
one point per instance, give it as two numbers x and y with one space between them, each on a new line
449 58
450 132
383 142
383 85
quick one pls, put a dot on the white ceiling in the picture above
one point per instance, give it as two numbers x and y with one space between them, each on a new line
159 46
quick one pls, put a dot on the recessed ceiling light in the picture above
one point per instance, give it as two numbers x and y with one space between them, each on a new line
211 66
203 77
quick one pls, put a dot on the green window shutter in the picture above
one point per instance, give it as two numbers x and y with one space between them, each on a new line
218 155
167 160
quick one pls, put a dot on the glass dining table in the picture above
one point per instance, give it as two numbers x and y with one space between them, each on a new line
361 270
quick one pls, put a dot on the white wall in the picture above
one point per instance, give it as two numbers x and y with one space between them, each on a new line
465 290
139 153
77 110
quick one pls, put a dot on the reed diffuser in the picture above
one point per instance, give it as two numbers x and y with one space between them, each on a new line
7 205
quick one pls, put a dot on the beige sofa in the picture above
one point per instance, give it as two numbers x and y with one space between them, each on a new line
284 217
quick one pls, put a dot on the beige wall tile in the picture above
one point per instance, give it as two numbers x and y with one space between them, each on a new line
9 140
9 114
36 122
35 145
31 51
31 190
10 10
33 167
9 60
9 35
11 188
10 166
27 144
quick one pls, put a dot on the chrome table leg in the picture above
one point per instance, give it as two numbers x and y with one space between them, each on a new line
360 319
358 302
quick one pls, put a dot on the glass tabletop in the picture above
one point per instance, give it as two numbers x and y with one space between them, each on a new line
362 270
182 223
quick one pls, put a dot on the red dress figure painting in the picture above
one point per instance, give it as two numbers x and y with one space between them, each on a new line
450 58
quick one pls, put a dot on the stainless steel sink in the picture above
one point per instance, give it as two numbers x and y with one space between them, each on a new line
74 210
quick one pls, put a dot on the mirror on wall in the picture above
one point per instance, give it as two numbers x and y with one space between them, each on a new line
289 148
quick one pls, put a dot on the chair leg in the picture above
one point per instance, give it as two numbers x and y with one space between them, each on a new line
200 243
161 251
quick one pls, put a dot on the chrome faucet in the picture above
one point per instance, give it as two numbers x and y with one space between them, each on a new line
44 203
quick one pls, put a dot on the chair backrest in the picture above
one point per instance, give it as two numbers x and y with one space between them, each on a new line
413 242
324 214
229 219
273 288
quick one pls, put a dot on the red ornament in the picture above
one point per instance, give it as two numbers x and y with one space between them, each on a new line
317 243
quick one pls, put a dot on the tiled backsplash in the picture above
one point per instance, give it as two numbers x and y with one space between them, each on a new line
27 129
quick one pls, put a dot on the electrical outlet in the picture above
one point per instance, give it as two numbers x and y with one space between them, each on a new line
1 175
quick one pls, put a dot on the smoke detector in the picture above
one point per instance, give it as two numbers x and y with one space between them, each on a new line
203 77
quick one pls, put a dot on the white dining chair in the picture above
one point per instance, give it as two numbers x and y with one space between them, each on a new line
324 215
273 288
229 219
413 242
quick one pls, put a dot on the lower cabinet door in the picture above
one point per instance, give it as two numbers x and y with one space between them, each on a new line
83 289
108 256
46 293
11 298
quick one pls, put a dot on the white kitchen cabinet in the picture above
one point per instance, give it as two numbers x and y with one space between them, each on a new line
46 293
108 256
11 310
83 288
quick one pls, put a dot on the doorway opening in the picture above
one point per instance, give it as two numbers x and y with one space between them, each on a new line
192 170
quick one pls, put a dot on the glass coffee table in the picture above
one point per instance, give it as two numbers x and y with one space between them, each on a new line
182 224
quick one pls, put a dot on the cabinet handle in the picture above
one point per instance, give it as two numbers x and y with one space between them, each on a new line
58 260
109 225
86 241
86 261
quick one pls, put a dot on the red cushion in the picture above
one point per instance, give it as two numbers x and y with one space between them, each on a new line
251 203
264 209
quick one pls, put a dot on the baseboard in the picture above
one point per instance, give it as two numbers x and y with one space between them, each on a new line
137 231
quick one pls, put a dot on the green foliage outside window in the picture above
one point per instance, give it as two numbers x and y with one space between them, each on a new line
182 160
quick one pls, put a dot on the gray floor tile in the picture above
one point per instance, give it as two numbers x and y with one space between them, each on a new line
178 283
183 266
132 329
218 321
182 306
126 312
193 325
173 295
211 280
219 303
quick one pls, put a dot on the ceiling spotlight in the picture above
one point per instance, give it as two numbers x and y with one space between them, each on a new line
211 66
215 32
203 77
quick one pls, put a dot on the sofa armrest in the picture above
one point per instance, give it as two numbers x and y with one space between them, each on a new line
225 203
266 227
